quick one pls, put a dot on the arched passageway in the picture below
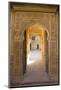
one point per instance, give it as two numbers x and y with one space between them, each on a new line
35 47
36 54
24 19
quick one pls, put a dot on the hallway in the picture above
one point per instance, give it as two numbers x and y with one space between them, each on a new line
35 70
33 60
35 67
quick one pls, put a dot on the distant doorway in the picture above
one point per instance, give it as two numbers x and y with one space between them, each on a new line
34 55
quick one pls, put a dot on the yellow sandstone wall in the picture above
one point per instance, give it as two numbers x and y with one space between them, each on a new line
21 21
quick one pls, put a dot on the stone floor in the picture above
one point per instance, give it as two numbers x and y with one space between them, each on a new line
35 70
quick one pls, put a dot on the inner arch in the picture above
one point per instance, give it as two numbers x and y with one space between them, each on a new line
36 45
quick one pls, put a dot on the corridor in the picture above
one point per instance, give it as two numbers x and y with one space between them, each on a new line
33 60
35 70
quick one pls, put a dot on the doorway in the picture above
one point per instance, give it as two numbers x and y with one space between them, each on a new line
35 57
29 18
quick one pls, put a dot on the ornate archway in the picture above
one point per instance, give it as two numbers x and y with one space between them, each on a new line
42 32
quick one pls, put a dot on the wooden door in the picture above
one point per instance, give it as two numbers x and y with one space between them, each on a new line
46 51
24 52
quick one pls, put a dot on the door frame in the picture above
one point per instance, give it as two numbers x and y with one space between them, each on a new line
15 68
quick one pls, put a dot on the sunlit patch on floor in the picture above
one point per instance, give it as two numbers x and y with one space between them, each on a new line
34 56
